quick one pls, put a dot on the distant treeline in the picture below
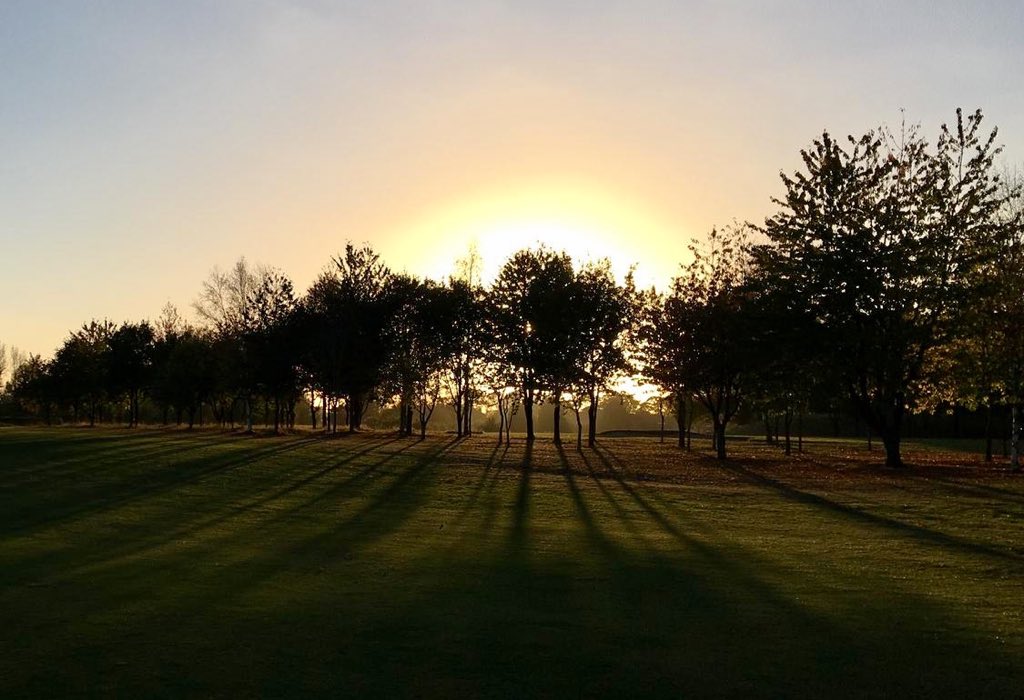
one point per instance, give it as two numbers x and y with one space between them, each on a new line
889 281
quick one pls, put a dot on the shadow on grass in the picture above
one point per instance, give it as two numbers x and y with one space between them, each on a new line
297 601
916 532
60 506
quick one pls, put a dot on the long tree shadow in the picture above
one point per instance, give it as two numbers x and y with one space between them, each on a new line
915 532
486 620
379 514
521 514
485 481
975 489
140 485
117 451
173 527
127 582
624 516
538 627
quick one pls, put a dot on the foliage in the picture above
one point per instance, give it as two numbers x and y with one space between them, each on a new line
879 240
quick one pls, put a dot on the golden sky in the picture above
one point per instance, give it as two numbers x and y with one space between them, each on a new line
143 143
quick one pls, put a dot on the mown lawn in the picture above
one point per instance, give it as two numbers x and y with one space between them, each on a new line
157 563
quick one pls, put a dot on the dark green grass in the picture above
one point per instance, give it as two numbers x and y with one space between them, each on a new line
210 564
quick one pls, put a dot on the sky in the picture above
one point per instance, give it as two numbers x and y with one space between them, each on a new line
143 143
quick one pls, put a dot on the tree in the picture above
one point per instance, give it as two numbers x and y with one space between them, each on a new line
783 371
188 371
80 369
464 310
982 365
130 364
604 314
225 296
662 354
503 381
411 344
269 353
709 307
345 320
878 240
32 385
529 307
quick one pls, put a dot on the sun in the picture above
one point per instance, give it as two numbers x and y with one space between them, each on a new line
497 242
586 222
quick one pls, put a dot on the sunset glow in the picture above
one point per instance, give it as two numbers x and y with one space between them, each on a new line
145 144
588 223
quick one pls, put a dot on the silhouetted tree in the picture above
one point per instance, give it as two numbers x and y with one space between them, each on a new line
79 371
345 320
662 350
604 316
981 365
879 240
708 313
130 363
269 352
225 296
463 308
32 385
528 309
190 372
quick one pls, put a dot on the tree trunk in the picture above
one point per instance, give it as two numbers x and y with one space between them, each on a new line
681 419
501 419
988 433
579 428
1015 437
788 423
592 420
458 415
800 431
355 418
891 441
528 414
719 438
557 427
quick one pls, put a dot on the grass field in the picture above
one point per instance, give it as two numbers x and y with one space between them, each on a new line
212 564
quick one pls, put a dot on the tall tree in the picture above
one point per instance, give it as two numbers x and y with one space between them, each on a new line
269 349
79 371
130 363
529 309
225 295
604 314
663 354
345 320
878 239
32 385
708 313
